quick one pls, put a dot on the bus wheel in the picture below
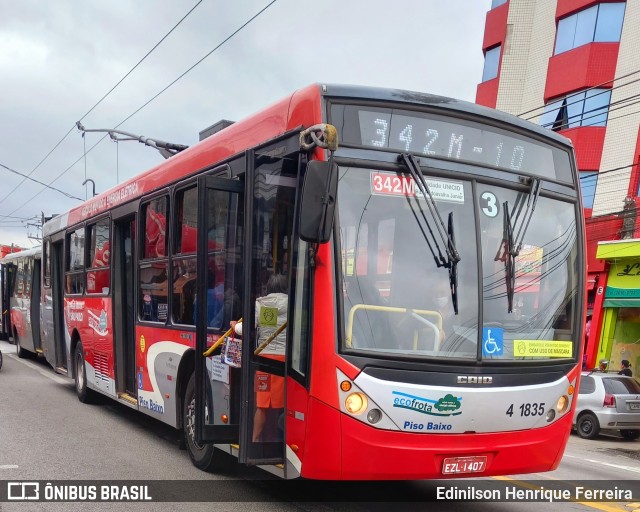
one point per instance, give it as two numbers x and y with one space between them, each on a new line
204 457
22 353
85 395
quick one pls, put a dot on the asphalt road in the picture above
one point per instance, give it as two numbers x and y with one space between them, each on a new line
47 434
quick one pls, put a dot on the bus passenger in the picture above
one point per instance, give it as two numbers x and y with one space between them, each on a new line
271 313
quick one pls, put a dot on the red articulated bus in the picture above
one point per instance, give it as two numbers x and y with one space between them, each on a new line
408 270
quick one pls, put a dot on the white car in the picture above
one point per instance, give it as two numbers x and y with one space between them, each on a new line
607 401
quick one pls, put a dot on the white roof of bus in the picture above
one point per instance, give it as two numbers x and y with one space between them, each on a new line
36 251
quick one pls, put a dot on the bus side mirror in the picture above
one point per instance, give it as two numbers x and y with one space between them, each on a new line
318 202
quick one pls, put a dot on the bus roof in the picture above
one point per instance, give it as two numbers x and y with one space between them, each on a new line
35 251
302 108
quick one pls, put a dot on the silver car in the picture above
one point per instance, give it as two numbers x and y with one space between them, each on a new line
607 401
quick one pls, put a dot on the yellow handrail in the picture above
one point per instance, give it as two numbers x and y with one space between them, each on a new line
219 342
264 344
370 307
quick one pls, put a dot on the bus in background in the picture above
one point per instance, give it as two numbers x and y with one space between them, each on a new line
20 299
433 264
4 251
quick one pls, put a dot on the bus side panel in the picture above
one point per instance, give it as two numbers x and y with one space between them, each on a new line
323 447
158 355
91 318
297 416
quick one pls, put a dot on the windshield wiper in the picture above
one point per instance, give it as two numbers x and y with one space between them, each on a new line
447 235
453 268
513 244
412 164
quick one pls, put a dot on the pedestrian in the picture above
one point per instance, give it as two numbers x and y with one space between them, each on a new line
271 313
603 365
625 368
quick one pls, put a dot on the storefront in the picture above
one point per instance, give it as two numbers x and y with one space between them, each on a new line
620 333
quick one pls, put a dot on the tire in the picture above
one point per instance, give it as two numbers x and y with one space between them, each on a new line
205 457
588 426
22 353
85 395
630 434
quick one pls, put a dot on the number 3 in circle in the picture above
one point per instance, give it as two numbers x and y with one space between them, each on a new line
489 204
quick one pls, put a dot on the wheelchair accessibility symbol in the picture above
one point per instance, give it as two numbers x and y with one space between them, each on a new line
492 341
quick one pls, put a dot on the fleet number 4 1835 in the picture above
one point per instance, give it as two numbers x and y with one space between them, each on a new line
528 409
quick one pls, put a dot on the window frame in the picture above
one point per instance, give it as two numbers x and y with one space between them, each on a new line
587 175
492 52
176 254
75 273
89 268
571 23
144 261
561 113
46 257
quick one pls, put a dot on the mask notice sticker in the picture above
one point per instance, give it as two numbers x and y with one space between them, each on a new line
542 348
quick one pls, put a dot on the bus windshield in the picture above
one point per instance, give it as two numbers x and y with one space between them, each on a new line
399 301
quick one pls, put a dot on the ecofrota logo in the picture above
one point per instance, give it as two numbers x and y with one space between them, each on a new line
448 405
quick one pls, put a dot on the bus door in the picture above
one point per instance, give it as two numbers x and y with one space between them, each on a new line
57 292
124 304
218 302
273 182
10 274
35 306
6 270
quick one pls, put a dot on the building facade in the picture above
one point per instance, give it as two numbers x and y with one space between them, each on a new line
574 67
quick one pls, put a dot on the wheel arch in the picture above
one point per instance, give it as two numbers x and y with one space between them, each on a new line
75 339
185 369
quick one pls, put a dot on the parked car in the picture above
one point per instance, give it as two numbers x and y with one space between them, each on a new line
607 401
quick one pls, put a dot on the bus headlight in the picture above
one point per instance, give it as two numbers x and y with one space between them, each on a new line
356 403
563 404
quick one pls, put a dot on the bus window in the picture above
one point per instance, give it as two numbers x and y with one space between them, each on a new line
46 256
184 258
26 293
543 289
99 276
224 256
155 228
394 301
19 286
75 262
274 201
154 275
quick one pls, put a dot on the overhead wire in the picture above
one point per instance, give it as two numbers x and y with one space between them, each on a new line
100 101
577 93
588 89
156 96
27 177
596 112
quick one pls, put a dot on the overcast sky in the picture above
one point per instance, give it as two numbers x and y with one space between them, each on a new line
57 59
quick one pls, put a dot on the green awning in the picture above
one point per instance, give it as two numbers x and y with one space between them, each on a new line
622 303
